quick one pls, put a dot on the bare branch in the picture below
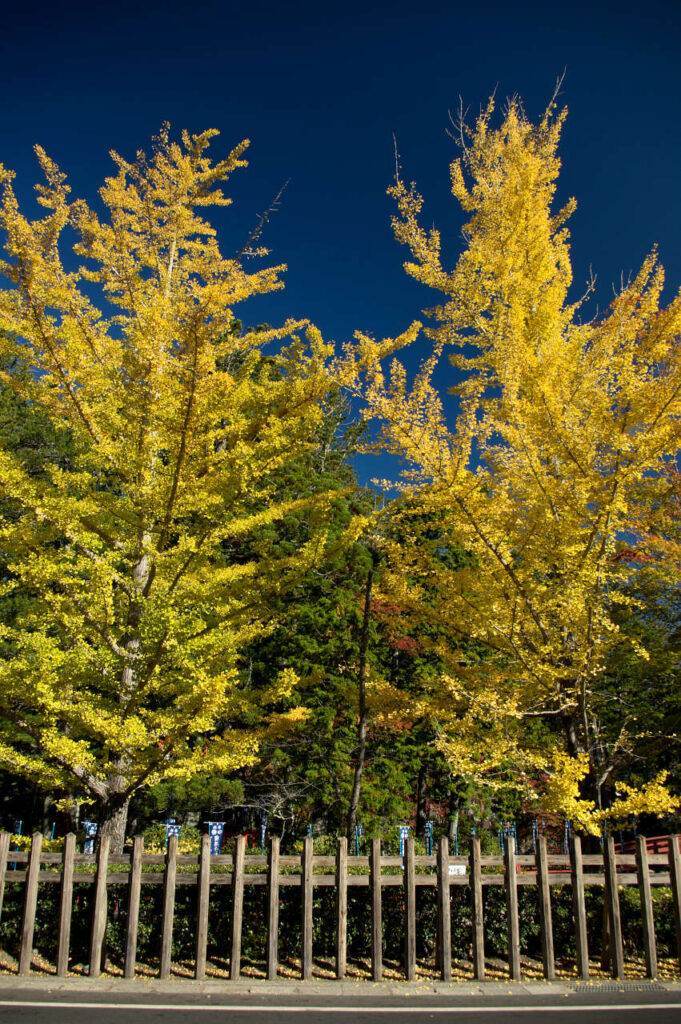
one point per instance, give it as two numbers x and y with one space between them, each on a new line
556 89
397 160
257 231
459 126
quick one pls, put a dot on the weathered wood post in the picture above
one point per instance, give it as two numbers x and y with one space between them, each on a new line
444 914
134 887
613 904
675 875
202 905
511 880
237 907
307 896
99 912
545 918
65 904
376 918
341 907
477 913
409 881
579 906
647 920
169 877
4 851
30 904
273 910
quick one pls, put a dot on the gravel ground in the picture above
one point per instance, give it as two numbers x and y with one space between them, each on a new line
357 970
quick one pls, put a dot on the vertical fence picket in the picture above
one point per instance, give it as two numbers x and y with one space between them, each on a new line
513 921
273 910
134 886
444 914
4 851
606 937
647 920
65 905
545 917
675 874
477 910
98 928
237 907
341 907
30 904
376 920
169 877
307 894
613 904
202 904
579 906
409 909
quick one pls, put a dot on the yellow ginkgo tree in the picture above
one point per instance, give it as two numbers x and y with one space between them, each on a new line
521 486
133 559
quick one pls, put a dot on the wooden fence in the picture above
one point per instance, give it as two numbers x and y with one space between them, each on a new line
307 871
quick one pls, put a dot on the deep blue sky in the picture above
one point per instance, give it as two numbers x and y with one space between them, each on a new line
320 88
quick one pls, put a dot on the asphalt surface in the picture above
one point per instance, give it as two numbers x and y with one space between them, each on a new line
72 1003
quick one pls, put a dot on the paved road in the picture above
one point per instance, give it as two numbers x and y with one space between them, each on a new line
631 1007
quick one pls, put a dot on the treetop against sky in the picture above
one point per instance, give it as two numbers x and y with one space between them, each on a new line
320 92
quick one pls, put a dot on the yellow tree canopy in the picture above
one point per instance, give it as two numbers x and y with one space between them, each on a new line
530 473
135 549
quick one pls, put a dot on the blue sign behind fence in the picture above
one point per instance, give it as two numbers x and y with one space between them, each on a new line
404 835
215 830
172 829
359 832
428 835
90 828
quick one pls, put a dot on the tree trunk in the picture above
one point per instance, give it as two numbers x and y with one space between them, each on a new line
45 826
591 786
572 738
453 824
113 819
421 799
113 809
363 715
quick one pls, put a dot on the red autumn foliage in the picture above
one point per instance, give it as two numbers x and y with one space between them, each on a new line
387 613
632 555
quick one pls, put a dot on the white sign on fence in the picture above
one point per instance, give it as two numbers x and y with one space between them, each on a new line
457 869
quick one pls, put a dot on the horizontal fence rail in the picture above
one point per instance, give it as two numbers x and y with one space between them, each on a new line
511 871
